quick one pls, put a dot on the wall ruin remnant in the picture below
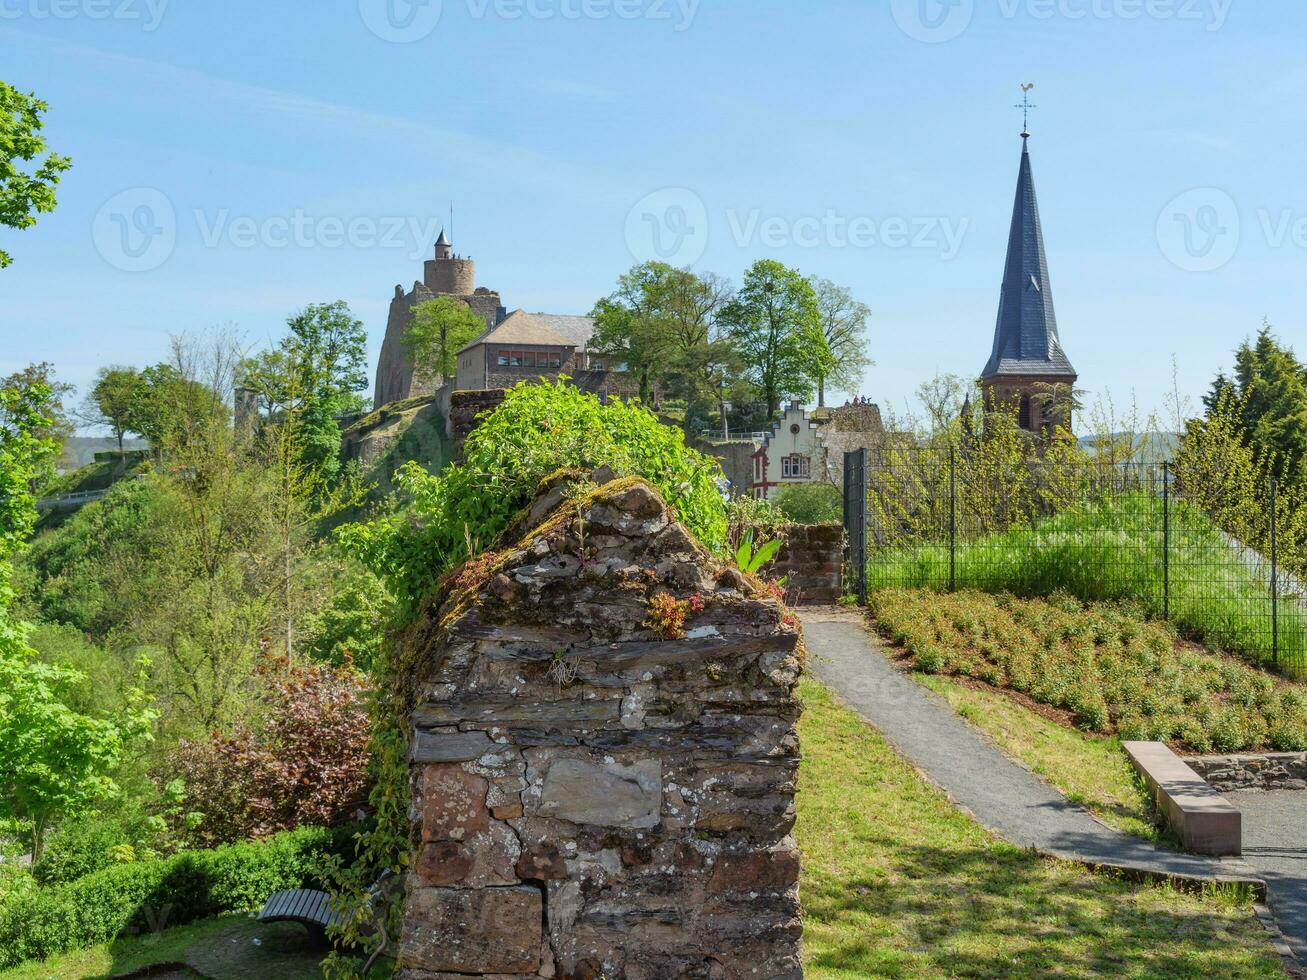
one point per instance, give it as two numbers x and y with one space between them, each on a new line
603 755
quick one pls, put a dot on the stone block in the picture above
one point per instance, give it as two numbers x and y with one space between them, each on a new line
452 747
611 794
487 930
453 803
484 859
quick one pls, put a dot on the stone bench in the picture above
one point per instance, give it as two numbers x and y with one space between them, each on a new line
1204 820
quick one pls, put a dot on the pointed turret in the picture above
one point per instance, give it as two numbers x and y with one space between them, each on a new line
1026 342
444 248
1027 359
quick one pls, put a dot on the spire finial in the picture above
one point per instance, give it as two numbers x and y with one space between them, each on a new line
1025 105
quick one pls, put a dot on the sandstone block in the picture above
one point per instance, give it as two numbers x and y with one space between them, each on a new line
482 860
453 803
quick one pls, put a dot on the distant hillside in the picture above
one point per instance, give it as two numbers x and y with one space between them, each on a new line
1158 447
81 450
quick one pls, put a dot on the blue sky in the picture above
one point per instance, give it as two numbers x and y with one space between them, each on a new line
247 158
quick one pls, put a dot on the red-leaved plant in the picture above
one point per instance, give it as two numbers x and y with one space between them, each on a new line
305 763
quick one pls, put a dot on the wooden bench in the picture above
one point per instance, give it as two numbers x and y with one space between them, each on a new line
1205 821
306 906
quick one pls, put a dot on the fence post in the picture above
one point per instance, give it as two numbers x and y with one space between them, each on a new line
855 518
1166 540
1275 583
952 518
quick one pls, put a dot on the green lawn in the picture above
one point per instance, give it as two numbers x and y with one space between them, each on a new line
899 883
1091 771
228 947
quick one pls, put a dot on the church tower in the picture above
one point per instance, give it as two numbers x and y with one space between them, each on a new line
1027 368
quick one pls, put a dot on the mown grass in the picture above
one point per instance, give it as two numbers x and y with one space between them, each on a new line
899 883
1112 549
228 947
1114 672
1090 771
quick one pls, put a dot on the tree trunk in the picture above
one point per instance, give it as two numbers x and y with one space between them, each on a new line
821 392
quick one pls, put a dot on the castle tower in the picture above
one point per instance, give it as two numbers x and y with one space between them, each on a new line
1027 367
446 274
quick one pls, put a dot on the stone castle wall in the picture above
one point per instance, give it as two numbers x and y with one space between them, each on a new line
812 561
599 793
1271 770
464 408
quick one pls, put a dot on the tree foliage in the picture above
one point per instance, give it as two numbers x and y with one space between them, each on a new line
25 192
441 327
54 760
116 402
841 356
774 322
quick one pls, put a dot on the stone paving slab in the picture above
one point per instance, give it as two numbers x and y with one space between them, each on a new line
1275 844
1002 795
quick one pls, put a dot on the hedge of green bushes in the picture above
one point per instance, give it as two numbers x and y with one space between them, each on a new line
149 895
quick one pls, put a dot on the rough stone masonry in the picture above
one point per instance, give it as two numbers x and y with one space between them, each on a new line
601 790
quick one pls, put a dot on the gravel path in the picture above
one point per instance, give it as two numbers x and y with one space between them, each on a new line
1003 796
1275 844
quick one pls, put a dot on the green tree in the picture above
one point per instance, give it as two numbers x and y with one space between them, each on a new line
1271 388
631 324
114 401
314 375
841 355
24 193
61 424
54 761
773 320
441 328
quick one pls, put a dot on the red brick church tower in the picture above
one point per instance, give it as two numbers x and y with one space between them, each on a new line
1028 369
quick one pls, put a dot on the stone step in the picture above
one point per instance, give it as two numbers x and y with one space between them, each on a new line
1206 822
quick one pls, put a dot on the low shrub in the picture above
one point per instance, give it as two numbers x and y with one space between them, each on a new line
149 895
811 503
537 430
305 763
1112 670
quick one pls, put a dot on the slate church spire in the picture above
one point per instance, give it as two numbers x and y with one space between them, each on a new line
1027 362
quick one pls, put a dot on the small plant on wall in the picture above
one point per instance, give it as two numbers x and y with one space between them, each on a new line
667 615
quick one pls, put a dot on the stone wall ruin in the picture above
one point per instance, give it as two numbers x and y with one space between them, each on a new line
601 790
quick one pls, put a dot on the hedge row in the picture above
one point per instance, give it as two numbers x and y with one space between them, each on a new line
151 895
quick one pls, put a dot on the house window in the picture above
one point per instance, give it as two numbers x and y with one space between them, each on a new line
795 467
502 358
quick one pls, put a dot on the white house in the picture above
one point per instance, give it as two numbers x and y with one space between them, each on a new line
791 453
809 447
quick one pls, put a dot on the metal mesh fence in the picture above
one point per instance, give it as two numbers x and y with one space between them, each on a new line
949 519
